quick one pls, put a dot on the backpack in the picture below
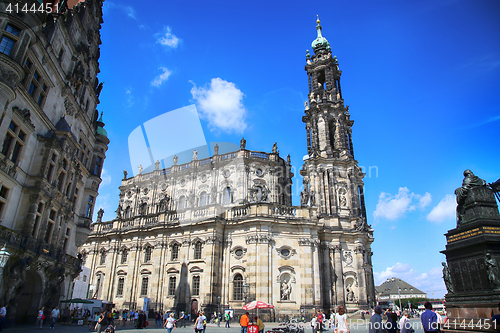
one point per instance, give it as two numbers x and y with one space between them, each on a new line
320 318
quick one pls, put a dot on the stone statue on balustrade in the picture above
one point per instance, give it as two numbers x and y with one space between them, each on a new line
119 212
100 213
243 143
304 197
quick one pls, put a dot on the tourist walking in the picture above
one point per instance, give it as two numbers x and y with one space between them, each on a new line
182 319
392 325
319 321
198 324
429 319
170 323
54 315
100 322
376 325
341 321
228 319
404 323
40 318
244 320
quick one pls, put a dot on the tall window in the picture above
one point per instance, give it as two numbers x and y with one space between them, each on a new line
4 191
38 218
196 286
90 207
98 166
7 42
52 165
13 142
227 196
175 252
144 286
66 238
182 202
147 254
171 285
103 258
197 251
124 257
50 226
204 199
119 289
238 287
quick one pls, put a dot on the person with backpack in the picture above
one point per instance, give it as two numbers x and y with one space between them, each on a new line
319 321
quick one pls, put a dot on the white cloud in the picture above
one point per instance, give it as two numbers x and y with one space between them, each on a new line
395 206
425 200
222 105
106 178
444 210
130 12
429 282
169 39
162 77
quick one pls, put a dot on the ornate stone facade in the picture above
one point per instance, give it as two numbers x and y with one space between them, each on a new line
53 148
218 231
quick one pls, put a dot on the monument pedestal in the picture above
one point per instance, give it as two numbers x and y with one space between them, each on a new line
472 253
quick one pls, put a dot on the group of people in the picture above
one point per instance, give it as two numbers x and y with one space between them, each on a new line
245 321
337 320
431 321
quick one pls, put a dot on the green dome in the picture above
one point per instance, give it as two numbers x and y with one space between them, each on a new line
102 131
320 42
100 127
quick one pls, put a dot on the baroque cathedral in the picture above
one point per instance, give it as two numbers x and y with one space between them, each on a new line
217 232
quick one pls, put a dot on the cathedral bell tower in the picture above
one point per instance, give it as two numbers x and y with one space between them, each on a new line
333 182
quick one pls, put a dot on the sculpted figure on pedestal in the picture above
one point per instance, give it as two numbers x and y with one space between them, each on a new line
493 271
470 181
447 278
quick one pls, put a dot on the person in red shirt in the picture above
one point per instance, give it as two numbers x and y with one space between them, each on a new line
244 320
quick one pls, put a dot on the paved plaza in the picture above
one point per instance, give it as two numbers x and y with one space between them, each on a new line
357 326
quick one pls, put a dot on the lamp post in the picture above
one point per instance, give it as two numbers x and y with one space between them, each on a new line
219 317
246 289
399 297
4 257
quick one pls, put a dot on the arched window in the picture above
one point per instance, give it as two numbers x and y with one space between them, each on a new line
171 285
227 199
196 286
197 251
238 287
147 254
204 200
175 252
182 202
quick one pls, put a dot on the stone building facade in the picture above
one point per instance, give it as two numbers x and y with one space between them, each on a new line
213 233
52 147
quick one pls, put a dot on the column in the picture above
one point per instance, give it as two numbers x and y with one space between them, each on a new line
339 285
362 292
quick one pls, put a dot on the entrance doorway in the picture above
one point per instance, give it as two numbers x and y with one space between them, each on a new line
29 299
194 308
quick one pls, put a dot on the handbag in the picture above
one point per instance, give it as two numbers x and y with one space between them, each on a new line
43 317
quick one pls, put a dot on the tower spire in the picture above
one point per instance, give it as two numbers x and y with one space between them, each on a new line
320 43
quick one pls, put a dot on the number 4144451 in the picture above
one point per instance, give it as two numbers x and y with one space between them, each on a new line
42 8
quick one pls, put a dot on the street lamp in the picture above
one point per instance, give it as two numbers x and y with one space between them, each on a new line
4 257
219 317
399 297
246 289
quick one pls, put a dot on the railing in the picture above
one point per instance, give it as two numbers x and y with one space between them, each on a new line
185 166
259 155
26 243
206 161
283 210
227 156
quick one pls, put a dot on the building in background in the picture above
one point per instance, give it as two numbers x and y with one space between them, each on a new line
52 147
217 232
394 289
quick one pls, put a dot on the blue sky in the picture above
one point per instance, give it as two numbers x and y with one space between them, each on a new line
421 79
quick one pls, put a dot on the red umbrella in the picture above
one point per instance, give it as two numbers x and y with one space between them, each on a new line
257 305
